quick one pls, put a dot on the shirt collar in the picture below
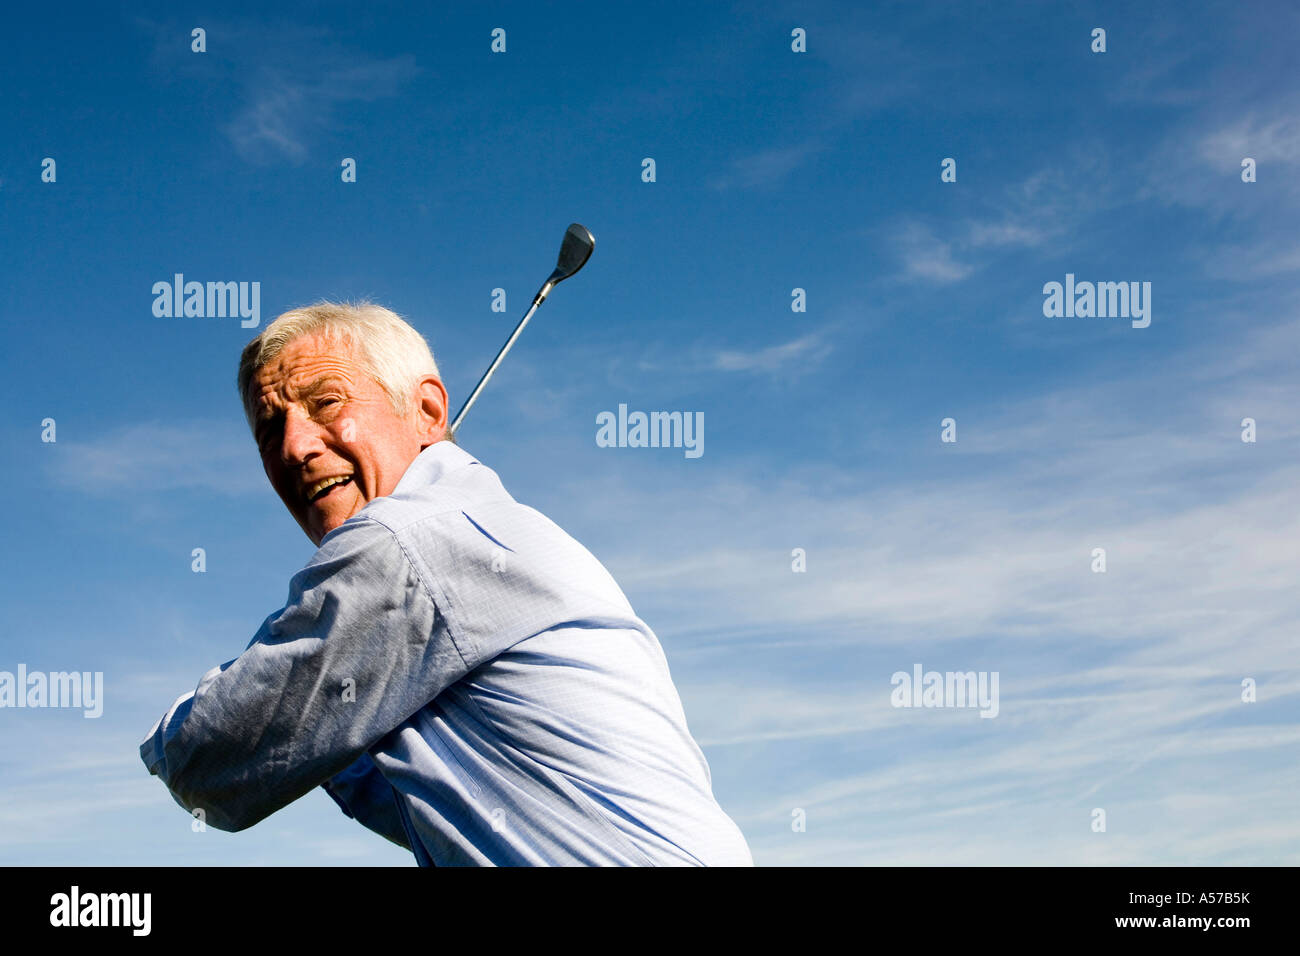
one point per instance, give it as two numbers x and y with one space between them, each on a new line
439 459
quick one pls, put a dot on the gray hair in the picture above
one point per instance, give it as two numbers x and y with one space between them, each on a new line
392 353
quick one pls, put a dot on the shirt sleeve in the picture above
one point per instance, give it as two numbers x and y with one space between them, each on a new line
359 647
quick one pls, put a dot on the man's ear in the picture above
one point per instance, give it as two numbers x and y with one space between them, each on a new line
431 410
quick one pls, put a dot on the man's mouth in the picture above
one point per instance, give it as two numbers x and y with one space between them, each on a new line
323 488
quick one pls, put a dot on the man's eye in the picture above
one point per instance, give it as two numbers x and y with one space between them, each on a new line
267 437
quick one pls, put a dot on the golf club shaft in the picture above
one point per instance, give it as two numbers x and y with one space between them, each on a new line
469 402
575 250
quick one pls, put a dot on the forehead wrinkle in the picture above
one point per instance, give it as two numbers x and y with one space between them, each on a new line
321 381
286 383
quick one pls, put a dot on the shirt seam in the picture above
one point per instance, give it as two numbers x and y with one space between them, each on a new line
428 589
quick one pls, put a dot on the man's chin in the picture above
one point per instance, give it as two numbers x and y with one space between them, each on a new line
318 526
329 523
326 527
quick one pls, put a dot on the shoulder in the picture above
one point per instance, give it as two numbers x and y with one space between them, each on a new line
426 523
443 480
359 554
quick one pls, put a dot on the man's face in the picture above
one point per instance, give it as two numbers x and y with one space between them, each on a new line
319 416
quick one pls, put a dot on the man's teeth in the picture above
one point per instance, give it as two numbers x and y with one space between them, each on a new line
314 491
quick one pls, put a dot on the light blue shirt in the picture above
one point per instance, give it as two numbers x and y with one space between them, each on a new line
465 679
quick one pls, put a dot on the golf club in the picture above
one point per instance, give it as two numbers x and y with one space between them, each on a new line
575 250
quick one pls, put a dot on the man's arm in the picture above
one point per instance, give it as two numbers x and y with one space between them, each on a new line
358 648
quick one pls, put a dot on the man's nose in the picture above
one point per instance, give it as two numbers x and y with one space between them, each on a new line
302 438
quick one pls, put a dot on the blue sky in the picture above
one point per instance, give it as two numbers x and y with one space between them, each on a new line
775 170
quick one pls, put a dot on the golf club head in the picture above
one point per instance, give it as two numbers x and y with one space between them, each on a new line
574 252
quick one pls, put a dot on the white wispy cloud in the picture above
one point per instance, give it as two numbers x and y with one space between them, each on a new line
1005 233
289 103
148 457
1028 214
925 255
1258 259
1196 160
790 359
1266 139
767 167
287 81
806 350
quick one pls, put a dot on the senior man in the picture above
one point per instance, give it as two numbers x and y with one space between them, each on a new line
459 674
